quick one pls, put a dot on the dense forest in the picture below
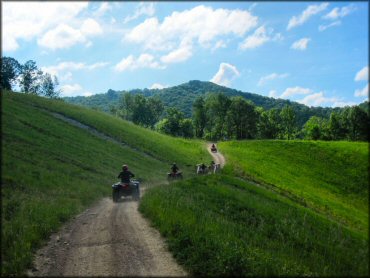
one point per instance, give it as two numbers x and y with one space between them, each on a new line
204 109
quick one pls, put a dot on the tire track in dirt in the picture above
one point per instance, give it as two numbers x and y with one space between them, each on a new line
217 156
108 239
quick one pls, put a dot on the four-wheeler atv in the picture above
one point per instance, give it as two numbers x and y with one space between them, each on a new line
172 175
214 149
120 189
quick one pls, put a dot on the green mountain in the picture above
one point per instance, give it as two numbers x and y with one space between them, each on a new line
183 96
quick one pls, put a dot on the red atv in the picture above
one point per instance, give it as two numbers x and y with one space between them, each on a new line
120 189
174 175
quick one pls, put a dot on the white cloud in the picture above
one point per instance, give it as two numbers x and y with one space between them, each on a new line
271 76
273 94
27 20
71 66
73 90
158 86
104 7
91 28
226 73
318 99
306 14
179 55
300 44
363 74
143 9
201 24
340 12
259 37
343 103
324 27
65 36
295 91
144 61
219 44
362 93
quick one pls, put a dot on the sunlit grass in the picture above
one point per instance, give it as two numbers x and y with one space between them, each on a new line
331 177
219 225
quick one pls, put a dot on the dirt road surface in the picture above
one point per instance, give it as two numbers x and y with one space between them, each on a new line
217 156
109 239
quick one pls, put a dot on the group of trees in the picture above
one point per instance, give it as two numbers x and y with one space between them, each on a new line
352 123
217 116
28 77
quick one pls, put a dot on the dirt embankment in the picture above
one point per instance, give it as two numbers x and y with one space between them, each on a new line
109 239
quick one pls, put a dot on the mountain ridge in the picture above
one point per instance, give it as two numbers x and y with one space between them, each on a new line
183 95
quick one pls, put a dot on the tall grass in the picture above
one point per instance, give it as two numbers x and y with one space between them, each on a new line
224 226
52 170
331 177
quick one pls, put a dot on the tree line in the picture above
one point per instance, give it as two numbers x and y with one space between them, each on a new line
220 117
28 77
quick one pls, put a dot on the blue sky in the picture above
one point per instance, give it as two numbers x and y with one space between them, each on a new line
315 53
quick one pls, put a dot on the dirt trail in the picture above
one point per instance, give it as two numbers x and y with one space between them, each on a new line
109 239
217 157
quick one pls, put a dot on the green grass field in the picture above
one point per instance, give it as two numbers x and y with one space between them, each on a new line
224 226
51 170
331 177
310 217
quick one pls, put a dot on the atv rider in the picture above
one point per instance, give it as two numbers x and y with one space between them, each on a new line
203 167
174 169
125 175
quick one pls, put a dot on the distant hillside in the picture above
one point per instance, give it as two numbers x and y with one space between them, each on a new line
183 96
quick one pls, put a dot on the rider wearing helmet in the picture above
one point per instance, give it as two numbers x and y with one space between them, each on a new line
174 168
125 175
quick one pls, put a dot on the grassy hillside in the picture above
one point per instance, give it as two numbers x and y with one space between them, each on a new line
224 226
52 170
331 177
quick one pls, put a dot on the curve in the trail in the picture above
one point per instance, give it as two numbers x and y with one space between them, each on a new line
109 239
217 156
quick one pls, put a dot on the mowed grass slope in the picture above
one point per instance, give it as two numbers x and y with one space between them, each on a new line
224 226
331 177
52 170
186 153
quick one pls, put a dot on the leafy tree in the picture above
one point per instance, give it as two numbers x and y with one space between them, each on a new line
359 122
199 117
335 127
242 117
316 128
10 70
269 124
30 77
48 86
186 127
288 123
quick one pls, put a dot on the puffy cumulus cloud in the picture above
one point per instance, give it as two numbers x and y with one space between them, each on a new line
71 90
340 12
179 55
362 93
142 9
226 73
300 44
295 91
158 86
363 74
306 14
259 37
324 27
271 76
318 99
65 36
143 61
27 20
201 24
